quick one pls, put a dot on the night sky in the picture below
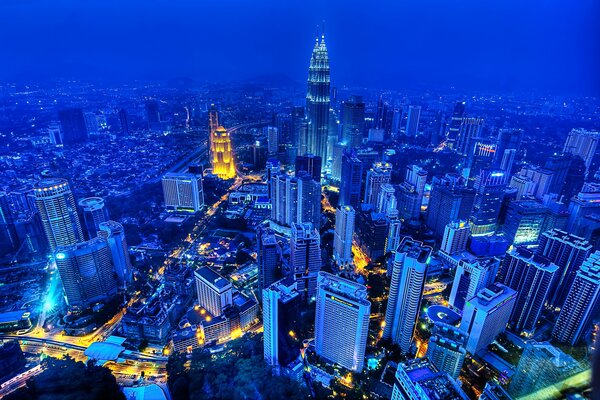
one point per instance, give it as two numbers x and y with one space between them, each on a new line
497 45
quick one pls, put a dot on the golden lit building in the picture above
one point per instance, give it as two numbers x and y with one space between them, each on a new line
222 154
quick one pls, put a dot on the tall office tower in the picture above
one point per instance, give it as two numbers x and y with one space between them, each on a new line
342 237
222 154
272 140
94 212
454 125
508 160
406 290
124 121
470 278
412 121
542 180
455 237
379 122
281 312
335 130
396 122
470 129
114 234
541 366
91 123
311 164
87 272
489 188
446 348
353 121
272 168
493 391
305 258
336 163
299 128
568 252
582 143
283 122
411 192
531 275
449 201
56 205
372 230
525 220
9 240
585 203
419 379
73 126
317 101
351 180
284 200
386 202
183 192
342 321
485 316
153 114
214 291
575 178
309 200
582 303
524 185
507 147
379 174
213 124
417 177
269 259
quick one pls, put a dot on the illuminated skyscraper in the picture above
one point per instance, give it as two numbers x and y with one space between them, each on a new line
582 143
269 258
470 278
351 180
305 258
455 237
114 234
446 348
525 220
379 174
317 100
183 192
56 205
420 379
214 291
412 121
342 238
489 187
311 164
94 213
353 121
449 201
222 154
342 321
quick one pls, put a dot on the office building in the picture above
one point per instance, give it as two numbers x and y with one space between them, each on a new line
342 321
386 202
449 201
531 275
114 234
541 179
489 188
183 192
587 202
507 147
469 131
124 121
342 237
295 199
269 258
471 276
380 173
281 312
486 315
525 221
419 379
581 305
299 129
568 252
311 164
412 121
87 273
353 121
455 123
73 126
153 115
406 290
94 213
317 101
309 200
305 258
272 135
582 143
336 162
371 232
350 185
58 212
446 348
214 291
222 154
524 185
493 391
456 236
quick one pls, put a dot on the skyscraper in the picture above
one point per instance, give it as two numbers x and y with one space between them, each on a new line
455 122
446 348
183 192
269 258
486 315
342 321
581 305
455 237
222 154
525 220
305 258
470 129
311 164
531 275
449 201
386 201
353 121
582 143
94 212
412 121
56 205
213 124
470 278
73 126
419 379
295 199
317 100
351 180
406 290
342 237
380 173
214 291
272 135
153 114
114 234
489 188
507 147
124 121
309 200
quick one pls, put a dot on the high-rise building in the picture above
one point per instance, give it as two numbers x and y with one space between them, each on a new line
524 186
568 252
582 143
587 202
299 129
114 234
353 121
449 201
456 236
272 168
486 315
317 101
446 348
342 237
581 305
469 131
9 240
455 123
411 192
406 290
311 164
94 212
124 121
372 230
380 173
336 163
153 115
489 188
295 199
342 321
493 391
56 205
305 258
531 275
183 192
214 291
269 259
412 121
507 147
272 140
386 201
213 124
222 154
470 278
309 200
73 126
281 312
525 221
351 180
542 179
87 272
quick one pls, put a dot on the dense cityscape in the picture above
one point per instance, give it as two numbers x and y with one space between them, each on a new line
265 240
